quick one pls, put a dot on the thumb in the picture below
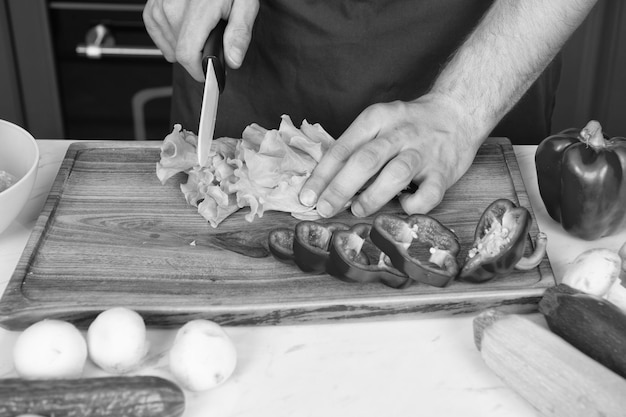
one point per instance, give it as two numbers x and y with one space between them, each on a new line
238 32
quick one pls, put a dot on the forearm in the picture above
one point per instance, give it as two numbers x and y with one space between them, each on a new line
504 55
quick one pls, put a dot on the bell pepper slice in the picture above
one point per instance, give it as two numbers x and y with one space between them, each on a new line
499 242
311 244
419 246
280 244
354 258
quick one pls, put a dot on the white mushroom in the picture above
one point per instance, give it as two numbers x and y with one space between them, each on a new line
597 272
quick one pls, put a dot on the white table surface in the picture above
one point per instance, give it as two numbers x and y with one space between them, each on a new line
407 367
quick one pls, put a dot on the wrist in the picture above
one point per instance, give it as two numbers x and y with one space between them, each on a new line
462 123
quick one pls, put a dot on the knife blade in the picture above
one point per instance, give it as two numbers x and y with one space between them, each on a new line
215 78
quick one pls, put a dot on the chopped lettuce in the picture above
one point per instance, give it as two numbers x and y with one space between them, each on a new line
264 170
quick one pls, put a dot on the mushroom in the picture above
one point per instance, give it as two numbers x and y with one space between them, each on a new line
597 272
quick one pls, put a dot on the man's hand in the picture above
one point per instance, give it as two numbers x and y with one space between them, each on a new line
179 28
434 139
425 141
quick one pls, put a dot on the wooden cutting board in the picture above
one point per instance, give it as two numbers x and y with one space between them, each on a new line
111 234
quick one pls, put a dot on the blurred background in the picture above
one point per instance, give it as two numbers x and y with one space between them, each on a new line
87 69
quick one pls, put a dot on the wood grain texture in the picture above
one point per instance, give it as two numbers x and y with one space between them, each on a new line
111 234
552 375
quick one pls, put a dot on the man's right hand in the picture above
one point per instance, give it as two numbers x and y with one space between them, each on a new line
179 28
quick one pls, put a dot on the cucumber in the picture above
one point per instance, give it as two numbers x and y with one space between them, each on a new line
120 396
593 325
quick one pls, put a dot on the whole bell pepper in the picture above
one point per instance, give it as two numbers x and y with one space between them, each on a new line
353 258
419 246
582 180
500 242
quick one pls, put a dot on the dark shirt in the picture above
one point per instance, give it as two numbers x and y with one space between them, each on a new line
326 61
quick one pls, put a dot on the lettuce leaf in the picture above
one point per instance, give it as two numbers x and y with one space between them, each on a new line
264 170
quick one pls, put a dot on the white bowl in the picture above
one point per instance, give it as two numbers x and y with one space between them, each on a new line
19 156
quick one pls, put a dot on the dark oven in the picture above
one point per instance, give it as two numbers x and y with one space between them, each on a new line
113 82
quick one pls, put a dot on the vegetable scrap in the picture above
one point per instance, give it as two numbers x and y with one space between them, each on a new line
264 170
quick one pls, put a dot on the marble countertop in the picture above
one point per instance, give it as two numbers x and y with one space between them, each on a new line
404 367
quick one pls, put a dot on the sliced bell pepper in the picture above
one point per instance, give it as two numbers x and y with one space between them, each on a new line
500 242
582 180
353 258
419 246
280 243
311 244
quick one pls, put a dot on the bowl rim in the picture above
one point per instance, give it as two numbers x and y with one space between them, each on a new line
33 142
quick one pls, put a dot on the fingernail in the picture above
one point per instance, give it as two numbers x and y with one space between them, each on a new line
308 197
236 56
324 208
357 210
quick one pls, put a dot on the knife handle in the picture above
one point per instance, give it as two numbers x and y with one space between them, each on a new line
214 50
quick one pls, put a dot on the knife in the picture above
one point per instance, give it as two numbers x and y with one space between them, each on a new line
215 77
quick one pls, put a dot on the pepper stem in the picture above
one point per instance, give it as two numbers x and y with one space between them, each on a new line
592 135
532 261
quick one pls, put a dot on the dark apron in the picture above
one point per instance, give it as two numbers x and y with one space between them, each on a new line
327 60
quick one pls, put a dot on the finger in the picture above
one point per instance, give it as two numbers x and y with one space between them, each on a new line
159 29
393 178
364 164
428 196
238 32
174 11
323 173
200 18
362 130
